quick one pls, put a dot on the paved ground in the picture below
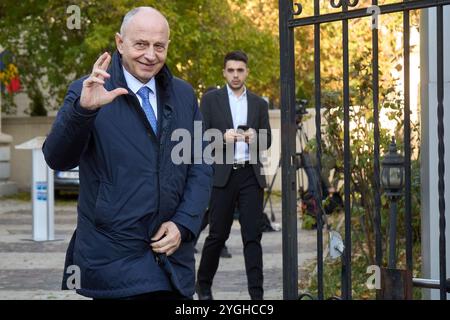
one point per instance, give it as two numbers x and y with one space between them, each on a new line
33 270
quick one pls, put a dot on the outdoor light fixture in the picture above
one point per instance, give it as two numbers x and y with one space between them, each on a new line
392 180
393 172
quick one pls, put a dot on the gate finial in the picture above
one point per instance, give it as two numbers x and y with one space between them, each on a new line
339 3
336 5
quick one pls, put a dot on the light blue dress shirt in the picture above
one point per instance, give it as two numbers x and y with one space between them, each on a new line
134 85
239 110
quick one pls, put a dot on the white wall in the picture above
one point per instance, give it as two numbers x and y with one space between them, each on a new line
26 128
23 129
429 146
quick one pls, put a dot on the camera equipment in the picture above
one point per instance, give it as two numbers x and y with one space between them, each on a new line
300 109
312 197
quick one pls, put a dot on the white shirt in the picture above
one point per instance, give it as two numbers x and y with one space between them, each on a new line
239 110
134 85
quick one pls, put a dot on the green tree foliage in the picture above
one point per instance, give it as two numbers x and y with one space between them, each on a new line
362 125
50 55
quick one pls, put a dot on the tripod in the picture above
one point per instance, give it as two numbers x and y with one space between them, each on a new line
303 161
302 137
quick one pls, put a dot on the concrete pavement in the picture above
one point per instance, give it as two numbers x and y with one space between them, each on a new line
33 270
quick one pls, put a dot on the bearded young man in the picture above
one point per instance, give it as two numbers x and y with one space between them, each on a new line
243 117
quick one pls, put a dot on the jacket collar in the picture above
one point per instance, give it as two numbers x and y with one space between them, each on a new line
163 77
231 93
135 85
251 107
224 102
163 82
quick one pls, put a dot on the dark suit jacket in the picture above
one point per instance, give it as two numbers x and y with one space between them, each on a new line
215 108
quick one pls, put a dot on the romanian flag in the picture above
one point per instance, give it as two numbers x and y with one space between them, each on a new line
9 75
2 68
14 85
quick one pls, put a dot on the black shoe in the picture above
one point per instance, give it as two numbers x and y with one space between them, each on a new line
203 293
225 253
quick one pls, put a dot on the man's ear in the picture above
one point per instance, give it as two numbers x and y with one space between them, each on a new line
119 42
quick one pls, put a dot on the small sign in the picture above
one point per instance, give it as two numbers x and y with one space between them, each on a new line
41 196
336 245
41 185
41 190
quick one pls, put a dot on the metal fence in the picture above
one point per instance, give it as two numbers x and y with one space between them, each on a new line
290 18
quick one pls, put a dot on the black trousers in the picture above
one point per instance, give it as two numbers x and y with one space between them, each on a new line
243 188
205 222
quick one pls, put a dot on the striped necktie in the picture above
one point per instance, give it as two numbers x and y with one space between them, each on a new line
148 109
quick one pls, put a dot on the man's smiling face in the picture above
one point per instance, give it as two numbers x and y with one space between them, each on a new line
143 44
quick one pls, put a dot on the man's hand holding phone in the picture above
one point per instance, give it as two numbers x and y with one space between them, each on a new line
249 134
243 133
232 136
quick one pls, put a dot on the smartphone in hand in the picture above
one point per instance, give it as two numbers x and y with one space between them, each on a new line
243 127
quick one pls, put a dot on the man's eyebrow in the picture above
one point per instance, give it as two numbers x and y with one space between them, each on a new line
140 40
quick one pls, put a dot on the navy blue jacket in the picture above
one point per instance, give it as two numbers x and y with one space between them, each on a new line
129 186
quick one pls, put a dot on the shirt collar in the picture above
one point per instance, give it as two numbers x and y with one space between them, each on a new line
231 93
134 84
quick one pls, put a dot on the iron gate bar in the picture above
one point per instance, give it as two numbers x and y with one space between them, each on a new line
288 134
346 263
407 139
318 93
359 13
430 283
287 56
441 149
392 234
376 152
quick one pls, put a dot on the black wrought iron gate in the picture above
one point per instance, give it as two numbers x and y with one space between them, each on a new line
289 20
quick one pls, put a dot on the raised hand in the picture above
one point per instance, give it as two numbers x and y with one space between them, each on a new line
94 95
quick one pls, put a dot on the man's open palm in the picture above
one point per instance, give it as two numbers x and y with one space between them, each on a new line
94 95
